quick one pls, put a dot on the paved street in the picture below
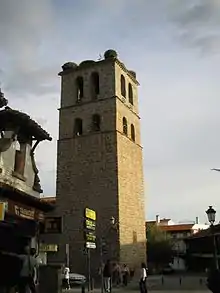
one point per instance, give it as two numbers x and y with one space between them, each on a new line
174 284
136 291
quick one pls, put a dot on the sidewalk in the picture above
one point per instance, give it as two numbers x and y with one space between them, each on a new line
127 290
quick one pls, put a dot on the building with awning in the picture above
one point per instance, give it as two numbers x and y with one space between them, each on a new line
22 212
200 248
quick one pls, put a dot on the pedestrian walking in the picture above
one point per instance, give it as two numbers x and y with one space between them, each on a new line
125 274
66 278
107 274
28 271
143 279
116 274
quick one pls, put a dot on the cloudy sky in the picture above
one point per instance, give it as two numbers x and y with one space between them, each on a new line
173 45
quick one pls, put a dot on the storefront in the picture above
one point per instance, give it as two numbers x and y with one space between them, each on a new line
23 217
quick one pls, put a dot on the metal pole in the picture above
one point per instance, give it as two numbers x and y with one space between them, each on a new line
215 252
67 255
101 260
89 269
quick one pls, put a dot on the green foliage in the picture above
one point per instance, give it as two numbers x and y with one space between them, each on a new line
159 246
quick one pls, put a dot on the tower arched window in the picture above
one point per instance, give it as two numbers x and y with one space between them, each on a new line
130 94
125 126
94 85
78 127
123 86
79 88
96 122
132 132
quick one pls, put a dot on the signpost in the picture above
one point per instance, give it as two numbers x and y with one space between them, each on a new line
90 238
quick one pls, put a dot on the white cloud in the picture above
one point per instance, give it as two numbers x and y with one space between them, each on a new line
23 26
196 23
178 94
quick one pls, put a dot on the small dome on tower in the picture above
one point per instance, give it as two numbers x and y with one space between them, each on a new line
69 65
3 100
87 62
110 54
133 73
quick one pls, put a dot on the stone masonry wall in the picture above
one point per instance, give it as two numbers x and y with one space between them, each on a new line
101 170
130 180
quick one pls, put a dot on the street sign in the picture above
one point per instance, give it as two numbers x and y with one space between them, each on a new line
90 228
90 214
48 247
90 245
90 236
90 225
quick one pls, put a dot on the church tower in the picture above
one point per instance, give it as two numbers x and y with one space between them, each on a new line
100 161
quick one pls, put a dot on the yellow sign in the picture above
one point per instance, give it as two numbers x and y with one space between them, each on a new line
48 247
2 211
90 214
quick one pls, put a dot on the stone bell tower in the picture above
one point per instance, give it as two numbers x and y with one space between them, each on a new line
100 162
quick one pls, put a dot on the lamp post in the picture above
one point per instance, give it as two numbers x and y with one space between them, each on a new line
211 217
113 225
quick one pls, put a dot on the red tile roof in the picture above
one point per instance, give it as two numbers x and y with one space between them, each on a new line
49 199
8 115
177 227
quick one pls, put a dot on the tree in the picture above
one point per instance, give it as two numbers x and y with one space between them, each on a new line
159 246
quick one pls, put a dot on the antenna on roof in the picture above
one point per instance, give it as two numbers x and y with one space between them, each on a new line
100 57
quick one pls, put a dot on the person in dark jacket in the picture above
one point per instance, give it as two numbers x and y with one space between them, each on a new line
143 279
213 281
107 274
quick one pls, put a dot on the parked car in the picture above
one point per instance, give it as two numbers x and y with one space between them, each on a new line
76 279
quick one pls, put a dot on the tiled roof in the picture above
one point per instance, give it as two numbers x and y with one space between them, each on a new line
49 199
177 227
206 232
25 122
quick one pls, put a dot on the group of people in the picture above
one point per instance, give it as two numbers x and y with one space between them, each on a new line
115 274
121 274
23 272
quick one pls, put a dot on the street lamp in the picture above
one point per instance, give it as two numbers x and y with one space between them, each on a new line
211 217
113 225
